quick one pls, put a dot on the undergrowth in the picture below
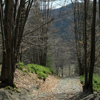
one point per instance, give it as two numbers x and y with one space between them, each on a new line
41 71
96 82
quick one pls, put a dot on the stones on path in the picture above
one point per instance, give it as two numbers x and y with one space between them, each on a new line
3 96
63 90
69 85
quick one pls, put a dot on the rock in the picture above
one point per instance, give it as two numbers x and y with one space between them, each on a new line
3 96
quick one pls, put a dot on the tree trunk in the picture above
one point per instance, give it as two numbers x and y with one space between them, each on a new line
13 22
85 45
92 55
99 10
7 73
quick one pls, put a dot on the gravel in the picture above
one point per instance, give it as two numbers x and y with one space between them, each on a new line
65 89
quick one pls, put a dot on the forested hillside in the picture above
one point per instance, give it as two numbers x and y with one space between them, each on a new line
49 49
60 37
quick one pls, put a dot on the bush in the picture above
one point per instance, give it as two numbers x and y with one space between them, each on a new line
21 65
96 82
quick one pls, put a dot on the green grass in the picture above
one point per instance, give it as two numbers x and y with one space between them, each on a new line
96 82
40 70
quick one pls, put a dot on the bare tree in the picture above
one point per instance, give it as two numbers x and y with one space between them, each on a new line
92 55
14 14
38 40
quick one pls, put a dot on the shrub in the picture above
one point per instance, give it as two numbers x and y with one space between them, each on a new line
20 65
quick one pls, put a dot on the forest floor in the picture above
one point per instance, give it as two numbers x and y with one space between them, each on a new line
29 87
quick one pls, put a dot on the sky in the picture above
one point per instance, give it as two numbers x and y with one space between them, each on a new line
59 3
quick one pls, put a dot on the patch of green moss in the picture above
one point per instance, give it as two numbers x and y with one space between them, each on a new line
42 71
26 71
42 75
96 82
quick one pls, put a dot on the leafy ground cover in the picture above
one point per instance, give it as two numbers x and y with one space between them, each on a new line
96 82
41 71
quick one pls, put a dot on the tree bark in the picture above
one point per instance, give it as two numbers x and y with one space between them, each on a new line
85 45
12 30
7 73
92 55
99 10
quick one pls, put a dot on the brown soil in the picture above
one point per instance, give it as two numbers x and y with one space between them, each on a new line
24 80
50 82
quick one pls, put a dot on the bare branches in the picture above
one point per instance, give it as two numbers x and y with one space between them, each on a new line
38 28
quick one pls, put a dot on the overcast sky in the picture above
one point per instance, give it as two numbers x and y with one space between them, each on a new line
59 3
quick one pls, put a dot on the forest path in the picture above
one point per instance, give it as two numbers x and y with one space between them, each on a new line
65 89
52 89
69 85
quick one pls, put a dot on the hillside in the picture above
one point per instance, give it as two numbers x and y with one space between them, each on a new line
60 40
63 20
62 36
47 53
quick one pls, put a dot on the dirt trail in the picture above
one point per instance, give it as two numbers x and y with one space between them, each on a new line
64 89
53 88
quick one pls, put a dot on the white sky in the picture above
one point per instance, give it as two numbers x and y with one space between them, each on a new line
59 3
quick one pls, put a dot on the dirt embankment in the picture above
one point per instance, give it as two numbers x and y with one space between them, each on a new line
28 86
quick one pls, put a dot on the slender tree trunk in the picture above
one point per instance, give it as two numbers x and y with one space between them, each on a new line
78 37
85 44
99 10
92 55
